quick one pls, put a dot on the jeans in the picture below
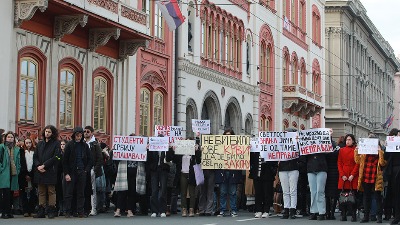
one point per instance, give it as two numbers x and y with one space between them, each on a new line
317 183
206 199
228 190
158 199
77 183
289 188
369 190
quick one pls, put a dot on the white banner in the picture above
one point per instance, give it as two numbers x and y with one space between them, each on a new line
368 146
129 148
185 147
393 144
278 145
172 132
158 144
201 126
255 146
314 141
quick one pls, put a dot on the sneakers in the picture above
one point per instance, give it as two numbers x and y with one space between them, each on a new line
153 215
163 215
265 215
130 214
184 212
258 214
234 214
117 213
93 212
221 214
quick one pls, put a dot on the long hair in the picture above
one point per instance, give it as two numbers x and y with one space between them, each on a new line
6 134
352 137
54 132
229 130
33 144
393 132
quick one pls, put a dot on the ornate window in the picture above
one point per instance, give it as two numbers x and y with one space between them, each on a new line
316 25
316 77
316 83
302 15
158 23
144 112
151 110
203 38
262 62
28 90
158 108
294 78
293 11
285 124
265 123
100 104
67 98
303 75
285 71
248 54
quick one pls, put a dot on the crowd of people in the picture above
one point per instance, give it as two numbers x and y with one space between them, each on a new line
44 176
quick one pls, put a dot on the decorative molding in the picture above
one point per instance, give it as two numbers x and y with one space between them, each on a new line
136 16
216 77
25 9
154 80
66 24
109 5
100 36
130 47
287 104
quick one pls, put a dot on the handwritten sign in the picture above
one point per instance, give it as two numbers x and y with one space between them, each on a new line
314 141
255 147
393 144
201 126
368 146
185 147
158 144
129 148
172 132
278 146
225 152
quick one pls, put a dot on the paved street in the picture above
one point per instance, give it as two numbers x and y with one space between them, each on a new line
105 219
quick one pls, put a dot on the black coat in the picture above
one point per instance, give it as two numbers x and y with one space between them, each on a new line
69 158
315 162
153 159
268 169
24 170
195 159
332 178
97 158
289 165
47 154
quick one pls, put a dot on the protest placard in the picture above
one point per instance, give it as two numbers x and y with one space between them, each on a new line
184 147
201 126
129 148
225 152
368 146
255 147
393 144
172 132
158 144
278 145
314 141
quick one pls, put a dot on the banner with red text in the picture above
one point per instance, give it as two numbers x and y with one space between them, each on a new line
230 152
393 144
314 141
158 144
129 148
172 132
278 145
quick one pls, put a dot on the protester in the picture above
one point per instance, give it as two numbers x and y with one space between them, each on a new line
29 191
10 167
392 176
348 175
46 159
331 190
60 187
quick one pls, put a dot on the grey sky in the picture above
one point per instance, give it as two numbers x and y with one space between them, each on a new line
385 15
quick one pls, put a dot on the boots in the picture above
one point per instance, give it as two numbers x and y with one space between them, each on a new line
378 218
51 212
343 215
332 207
292 213
41 213
191 212
184 212
365 219
285 214
168 213
354 215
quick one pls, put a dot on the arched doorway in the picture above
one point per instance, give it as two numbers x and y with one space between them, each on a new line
248 125
191 113
211 110
233 116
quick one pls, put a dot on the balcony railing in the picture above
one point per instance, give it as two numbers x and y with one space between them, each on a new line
295 33
297 91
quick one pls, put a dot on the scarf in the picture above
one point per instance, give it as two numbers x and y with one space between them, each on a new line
13 170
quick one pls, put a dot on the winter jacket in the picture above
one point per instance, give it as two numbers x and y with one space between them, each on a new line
268 169
47 154
360 159
315 162
6 180
331 185
69 157
153 160
97 156
195 159
347 166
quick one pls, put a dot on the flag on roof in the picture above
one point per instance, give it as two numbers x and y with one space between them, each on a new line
171 12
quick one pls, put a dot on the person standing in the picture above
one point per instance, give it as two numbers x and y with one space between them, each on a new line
97 170
392 176
46 159
370 180
10 167
29 197
77 161
348 174
331 190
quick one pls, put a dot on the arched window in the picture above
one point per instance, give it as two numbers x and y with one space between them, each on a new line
210 41
285 71
158 106
285 124
262 62
151 110
203 36
100 104
265 123
316 25
316 77
247 126
158 23
303 75
28 90
268 65
248 54
144 112
294 78
302 15
293 11
191 14
67 98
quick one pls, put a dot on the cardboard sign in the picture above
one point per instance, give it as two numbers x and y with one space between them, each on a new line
368 146
278 146
314 141
158 144
172 132
393 144
201 126
185 147
225 152
129 148
255 147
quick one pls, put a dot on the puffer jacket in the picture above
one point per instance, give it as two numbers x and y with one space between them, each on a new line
360 159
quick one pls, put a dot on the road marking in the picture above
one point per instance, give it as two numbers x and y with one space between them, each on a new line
247 219
210 224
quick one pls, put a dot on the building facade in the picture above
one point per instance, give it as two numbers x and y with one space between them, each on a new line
251 67
359 80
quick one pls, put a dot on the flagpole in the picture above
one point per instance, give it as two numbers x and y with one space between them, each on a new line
176 77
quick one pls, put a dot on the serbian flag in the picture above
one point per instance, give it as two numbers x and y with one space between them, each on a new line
171 13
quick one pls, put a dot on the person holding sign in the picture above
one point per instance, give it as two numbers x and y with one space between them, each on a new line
370 180
348 174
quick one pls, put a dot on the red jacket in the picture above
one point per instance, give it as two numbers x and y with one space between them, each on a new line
347 166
